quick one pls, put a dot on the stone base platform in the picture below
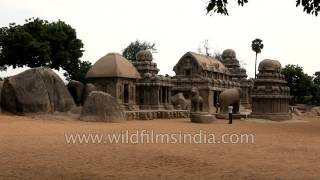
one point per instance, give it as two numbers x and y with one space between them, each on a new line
157 107
202 117
234 116
272 117
157 114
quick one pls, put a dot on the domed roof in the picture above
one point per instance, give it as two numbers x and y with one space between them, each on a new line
229 53
269 65
144 55
113 65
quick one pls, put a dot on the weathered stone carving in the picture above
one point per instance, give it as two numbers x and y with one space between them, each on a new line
153 90
238 74
206 73
270 95
180 102
196 101
230 97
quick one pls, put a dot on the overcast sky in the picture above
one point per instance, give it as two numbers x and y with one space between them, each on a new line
178 26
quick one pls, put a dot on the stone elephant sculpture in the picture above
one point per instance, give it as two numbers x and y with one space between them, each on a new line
230 97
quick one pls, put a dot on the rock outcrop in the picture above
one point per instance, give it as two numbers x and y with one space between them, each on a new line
89 87
37 90
76 89
102 107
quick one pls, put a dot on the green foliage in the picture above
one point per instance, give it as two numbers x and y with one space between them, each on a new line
301 84
220 6
134 47
316 79
79 72
40 43
218 55
309 6
257 45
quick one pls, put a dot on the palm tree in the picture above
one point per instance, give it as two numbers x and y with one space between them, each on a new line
256 46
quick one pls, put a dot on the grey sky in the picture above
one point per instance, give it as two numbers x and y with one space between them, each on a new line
178 26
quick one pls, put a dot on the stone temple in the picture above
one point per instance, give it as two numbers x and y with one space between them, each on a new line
209 75
270 95
238 74
153 90
115 75
144 94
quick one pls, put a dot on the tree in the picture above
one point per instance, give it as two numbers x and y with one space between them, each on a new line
79 72
300 84
205 48
40 43
134 47
220 6
256 46
316 78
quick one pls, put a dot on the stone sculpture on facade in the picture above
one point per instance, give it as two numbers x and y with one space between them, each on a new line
230 97
196 101
180 102
270 95
197 113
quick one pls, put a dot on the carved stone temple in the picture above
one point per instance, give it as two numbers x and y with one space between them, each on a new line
153 90
270 95
238 74
208 74
144 94
115 75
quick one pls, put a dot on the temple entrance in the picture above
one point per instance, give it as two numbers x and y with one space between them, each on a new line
215 98
141 96
126 93
163 95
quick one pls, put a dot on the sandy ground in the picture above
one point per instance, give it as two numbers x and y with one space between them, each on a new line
35 148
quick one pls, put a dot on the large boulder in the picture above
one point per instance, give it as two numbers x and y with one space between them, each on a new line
37 90
89 87
102 107
76 89
1 84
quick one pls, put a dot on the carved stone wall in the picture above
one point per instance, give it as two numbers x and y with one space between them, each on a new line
270 94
